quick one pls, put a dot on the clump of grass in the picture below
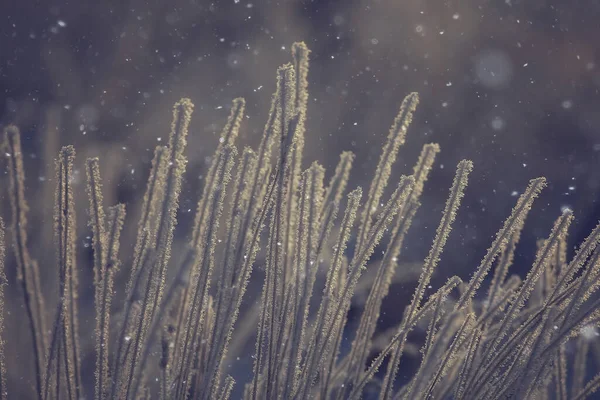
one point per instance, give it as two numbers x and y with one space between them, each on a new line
173 336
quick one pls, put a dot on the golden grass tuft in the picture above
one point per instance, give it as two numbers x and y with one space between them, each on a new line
177 319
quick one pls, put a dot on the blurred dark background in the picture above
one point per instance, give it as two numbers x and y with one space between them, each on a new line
512 85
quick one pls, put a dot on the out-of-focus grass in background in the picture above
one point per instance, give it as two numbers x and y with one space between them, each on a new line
512 85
